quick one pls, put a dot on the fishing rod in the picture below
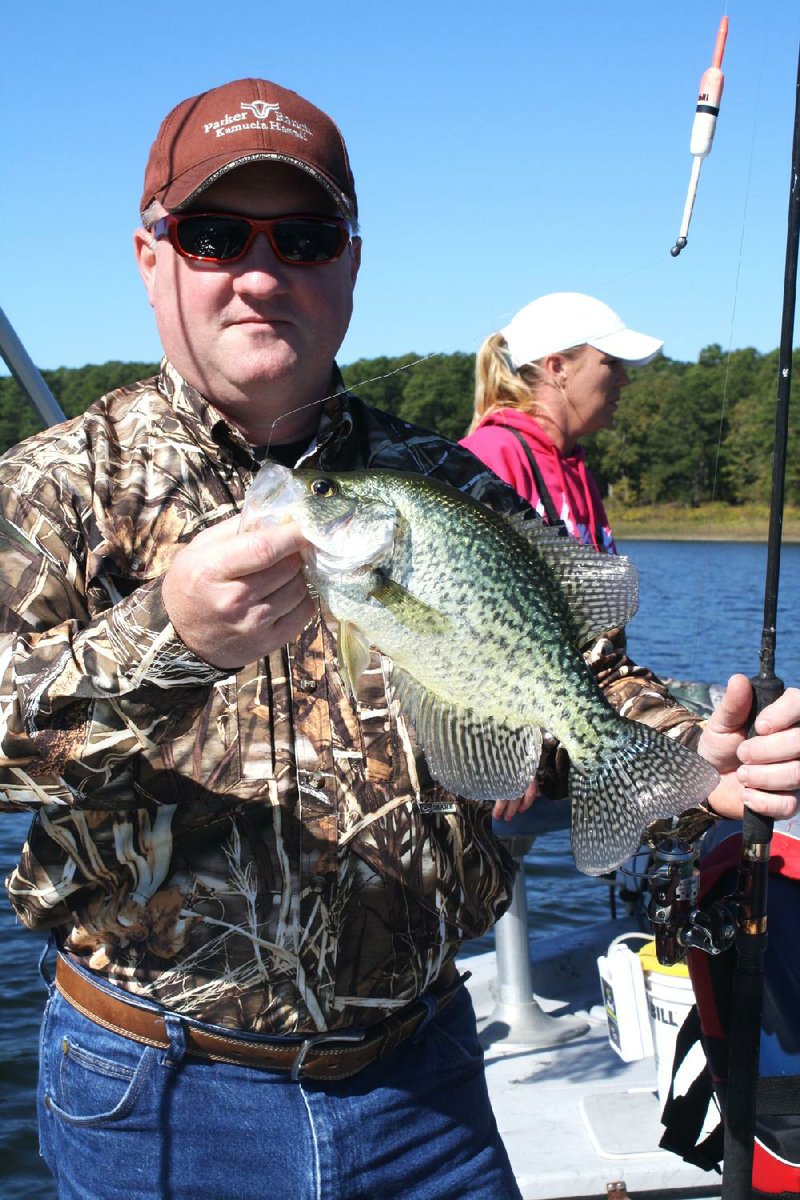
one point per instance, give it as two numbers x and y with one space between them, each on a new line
751 936
27 375
740 919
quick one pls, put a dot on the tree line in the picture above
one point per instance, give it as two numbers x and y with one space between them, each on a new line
684 432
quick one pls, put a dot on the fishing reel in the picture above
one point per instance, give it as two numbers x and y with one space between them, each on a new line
677 922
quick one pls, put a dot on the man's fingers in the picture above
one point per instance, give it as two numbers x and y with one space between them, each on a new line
771 748
771 804
233 597
278 599
285 572
731 714
230 553
287 626
774 776
783 713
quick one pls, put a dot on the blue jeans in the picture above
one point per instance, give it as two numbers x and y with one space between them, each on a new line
122 1121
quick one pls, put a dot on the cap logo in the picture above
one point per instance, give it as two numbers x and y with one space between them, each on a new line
267 115
262 108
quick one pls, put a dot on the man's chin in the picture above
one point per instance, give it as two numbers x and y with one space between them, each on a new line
261 360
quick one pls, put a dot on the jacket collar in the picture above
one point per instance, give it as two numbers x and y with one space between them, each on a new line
334 441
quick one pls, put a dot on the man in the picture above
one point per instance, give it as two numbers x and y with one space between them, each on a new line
256 890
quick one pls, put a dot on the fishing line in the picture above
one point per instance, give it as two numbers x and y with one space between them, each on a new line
355 387
701 616
651 265
648 266
473 342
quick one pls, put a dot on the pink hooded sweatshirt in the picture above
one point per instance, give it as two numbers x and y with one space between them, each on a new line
572 489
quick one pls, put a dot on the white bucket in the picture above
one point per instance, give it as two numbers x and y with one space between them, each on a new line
670 996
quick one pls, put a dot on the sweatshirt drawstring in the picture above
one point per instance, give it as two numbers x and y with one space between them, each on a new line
589 502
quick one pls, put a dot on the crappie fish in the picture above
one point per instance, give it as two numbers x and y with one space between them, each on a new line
482 617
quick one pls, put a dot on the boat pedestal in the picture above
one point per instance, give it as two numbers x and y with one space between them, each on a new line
517 1018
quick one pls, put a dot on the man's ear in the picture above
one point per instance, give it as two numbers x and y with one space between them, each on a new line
144 248
355 256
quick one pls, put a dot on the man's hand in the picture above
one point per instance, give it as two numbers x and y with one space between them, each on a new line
763 771
233 597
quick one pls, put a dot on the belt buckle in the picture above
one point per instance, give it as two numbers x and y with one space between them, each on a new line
346 1035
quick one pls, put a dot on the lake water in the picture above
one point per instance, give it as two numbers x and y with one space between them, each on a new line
700 618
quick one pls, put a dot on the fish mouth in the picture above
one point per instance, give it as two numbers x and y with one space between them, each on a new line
270 497
336 560
342 546
335 525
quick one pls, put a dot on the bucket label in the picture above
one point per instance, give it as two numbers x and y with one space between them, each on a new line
664 1015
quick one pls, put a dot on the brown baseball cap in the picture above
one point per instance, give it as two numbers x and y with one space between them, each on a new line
247 120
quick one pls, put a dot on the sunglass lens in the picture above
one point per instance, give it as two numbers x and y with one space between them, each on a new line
307 241
212 237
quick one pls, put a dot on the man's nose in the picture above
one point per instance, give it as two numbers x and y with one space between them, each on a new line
261 270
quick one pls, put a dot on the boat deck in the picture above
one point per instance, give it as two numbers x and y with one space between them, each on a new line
574 1117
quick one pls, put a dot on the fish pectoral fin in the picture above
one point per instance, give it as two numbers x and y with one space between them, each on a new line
470 755
353 650
410 611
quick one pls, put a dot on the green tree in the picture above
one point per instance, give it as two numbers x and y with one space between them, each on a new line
684 432
747 454
380 381
438 394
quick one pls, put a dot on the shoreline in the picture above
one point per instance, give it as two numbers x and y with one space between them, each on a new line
708 523
625 533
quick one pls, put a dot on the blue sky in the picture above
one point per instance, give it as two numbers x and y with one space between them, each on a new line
500 151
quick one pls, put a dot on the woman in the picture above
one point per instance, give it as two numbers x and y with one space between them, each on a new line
552 376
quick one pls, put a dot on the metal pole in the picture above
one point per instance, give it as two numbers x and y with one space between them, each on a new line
28 375
517 1018
751 938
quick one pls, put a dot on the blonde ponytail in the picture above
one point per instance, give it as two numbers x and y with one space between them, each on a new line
497 384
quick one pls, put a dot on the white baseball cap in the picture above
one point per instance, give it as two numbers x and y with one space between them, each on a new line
562 320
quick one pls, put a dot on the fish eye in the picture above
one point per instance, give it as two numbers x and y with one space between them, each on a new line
324 487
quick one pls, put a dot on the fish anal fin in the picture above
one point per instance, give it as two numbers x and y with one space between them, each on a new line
354 651
469 754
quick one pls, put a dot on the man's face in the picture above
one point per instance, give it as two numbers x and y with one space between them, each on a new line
257 337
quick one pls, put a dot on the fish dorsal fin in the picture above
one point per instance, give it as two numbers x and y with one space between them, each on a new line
353 652
409 610
602 589
471 756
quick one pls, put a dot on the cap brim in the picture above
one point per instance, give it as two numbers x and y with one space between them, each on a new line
182 191
633 349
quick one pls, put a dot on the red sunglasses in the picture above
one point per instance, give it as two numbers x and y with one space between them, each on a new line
303 241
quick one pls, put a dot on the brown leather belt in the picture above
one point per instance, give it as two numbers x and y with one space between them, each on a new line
335 1055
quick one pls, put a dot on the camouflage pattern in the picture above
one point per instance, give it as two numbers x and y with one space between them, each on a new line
250 849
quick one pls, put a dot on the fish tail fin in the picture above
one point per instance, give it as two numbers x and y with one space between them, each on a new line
646 777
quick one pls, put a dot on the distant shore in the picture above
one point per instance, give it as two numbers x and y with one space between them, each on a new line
708 523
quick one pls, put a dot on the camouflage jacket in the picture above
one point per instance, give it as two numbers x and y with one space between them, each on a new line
250 849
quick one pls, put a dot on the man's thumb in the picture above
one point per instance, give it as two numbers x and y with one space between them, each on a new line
734 709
